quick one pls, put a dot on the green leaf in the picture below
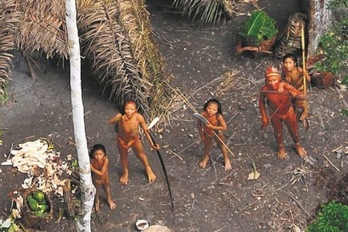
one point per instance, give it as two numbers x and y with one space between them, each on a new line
258 27
344 112
331 218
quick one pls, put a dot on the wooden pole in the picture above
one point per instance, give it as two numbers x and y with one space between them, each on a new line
303 59
305 121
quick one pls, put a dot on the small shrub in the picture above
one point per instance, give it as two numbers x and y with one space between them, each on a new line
332 218
335 47
333 4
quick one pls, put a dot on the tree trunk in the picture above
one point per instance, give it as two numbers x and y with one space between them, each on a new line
87 188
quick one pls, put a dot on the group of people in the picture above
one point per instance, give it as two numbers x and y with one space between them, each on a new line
281 93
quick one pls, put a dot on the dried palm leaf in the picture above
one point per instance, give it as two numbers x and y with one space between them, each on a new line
135 20
105 43
116 37
229 7
227 83
9 18
42 28
207 11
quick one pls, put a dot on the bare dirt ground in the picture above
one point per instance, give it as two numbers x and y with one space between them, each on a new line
286 195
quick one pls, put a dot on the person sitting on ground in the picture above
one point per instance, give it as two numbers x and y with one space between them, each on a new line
213 113
278 96
100 175
127 137
293 75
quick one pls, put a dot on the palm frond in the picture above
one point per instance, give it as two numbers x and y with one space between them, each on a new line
105 43
9 18
206 11
42 28
135 19
117 38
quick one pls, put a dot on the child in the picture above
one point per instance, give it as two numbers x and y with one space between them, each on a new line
128 136
293 75
100 174
278 96
213 113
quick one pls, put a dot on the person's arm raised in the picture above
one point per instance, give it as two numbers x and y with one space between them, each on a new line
115 119
262 107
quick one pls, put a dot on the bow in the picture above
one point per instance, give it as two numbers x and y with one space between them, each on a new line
161 160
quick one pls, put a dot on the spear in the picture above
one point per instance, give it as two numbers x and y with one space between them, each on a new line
303 59
305 121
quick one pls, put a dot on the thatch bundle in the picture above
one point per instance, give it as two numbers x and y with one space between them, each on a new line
115 36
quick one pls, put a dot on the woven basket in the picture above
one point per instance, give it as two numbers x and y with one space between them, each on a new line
31 220
322 80
264 47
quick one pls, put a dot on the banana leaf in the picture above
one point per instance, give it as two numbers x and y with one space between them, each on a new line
258 27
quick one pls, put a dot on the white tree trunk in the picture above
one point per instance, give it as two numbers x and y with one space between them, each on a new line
87 188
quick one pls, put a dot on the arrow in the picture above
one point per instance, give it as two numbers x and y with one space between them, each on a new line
154 121
284 93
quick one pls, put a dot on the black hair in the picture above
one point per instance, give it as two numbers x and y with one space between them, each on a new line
219 111
122 109
97 147
293 57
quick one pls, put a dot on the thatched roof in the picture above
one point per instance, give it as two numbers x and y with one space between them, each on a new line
115 37
42 28
9 20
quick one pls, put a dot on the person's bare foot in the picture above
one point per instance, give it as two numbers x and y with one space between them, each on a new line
204 162
111 204
97 206
300 150
150 175
227 165
124 179
303 116
281 152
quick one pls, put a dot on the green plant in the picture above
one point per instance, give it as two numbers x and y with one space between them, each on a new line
334 45
258 27
345 80
333 4
332 218
344 112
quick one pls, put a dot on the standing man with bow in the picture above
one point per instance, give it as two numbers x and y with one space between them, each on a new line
278 96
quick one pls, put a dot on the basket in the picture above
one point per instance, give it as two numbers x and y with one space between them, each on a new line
264 47
31 220
322 80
